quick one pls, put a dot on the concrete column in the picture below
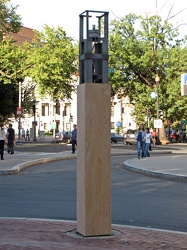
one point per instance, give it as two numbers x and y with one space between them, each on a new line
94 159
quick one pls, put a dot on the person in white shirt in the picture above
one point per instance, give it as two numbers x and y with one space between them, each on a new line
2 140
147 139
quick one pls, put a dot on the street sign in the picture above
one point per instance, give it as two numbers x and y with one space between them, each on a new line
158 123
34 123
54 125
111 70
183 122
19 111
184 79
183 84
118 124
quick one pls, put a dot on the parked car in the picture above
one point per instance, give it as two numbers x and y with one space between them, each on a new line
63 136
130 136
116 138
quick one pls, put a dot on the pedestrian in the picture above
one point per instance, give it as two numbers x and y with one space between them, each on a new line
74 138
177 135
154 137
2 140
11 139
27 135
23 134
140 141
147 139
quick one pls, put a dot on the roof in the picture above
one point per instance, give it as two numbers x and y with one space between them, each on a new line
24 35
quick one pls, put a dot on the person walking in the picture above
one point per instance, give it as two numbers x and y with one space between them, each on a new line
2 140
177 135
27 135
140 141
154 137
11 139
74 138
147 139
23 134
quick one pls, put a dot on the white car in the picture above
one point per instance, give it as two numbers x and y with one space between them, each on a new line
130 136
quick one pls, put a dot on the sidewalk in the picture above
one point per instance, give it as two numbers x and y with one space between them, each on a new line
38 234
27 234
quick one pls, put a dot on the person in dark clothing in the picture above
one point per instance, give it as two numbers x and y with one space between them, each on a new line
11 139
74 138
2 140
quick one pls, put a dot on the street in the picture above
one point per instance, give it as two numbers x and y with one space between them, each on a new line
49 191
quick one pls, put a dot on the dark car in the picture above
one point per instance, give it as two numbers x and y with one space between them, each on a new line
63 136
130 136
116 138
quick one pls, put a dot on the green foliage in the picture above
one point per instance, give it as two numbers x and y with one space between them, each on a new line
9 20
8 100
141 48
54 60
51 61
12 63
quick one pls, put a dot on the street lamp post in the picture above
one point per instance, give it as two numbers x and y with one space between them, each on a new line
34 113
157 79
19 121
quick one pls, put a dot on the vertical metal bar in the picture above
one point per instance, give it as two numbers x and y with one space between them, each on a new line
157 107
19 121
157 100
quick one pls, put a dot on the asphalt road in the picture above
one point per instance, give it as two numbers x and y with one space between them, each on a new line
49 191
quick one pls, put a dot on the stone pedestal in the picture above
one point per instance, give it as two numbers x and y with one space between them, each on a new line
94 159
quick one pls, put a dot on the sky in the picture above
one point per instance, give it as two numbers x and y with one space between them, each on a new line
36 13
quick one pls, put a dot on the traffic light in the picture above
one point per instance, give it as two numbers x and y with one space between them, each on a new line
23 96
71 118
161 114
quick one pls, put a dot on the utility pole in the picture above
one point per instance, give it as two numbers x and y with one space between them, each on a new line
35 123
157 79
19 119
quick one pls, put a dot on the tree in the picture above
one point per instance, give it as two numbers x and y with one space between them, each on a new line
12 63
12 71
54 60
8 100
9 20
140 48
50 62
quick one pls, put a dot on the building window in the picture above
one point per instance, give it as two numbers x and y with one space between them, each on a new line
58 108
45 126
112 111
112 125
65 111
43 110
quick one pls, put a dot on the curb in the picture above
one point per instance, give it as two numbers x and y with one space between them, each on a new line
17 168
164 176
